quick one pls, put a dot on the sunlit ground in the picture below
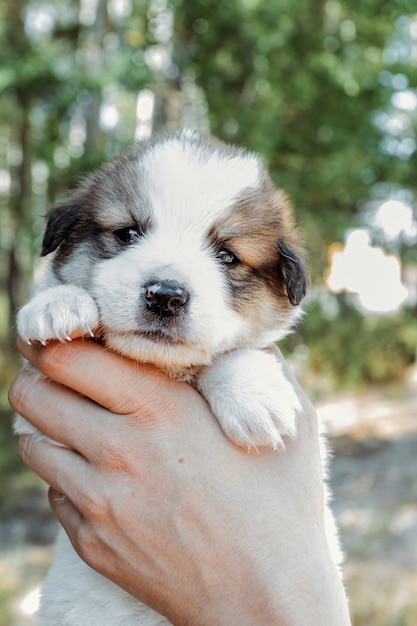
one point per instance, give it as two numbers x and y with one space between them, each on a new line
374 438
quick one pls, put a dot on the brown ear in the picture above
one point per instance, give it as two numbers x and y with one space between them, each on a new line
59 221
294 273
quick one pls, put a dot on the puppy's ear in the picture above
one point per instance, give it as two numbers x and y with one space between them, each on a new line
293 272
59 221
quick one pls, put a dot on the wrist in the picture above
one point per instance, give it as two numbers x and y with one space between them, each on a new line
270 590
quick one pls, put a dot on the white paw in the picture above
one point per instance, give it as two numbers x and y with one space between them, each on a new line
251 398
57 312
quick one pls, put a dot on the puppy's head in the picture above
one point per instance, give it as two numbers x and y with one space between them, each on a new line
186 247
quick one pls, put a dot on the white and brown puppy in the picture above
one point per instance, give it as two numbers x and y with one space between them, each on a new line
181 254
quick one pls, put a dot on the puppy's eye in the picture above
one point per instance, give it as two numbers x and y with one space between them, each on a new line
127 235
227 257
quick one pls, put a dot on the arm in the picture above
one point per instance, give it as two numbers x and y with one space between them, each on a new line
160 502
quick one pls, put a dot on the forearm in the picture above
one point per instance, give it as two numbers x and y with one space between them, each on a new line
266 589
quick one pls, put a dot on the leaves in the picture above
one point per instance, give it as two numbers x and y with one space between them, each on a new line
307 84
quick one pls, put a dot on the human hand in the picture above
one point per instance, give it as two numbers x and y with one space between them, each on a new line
160 502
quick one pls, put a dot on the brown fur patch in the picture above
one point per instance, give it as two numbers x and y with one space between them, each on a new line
259 229
256 222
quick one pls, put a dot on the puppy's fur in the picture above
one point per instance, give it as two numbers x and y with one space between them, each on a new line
181 254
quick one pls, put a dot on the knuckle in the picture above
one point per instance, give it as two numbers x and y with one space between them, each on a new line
115 458
53 357
20 389
15 393
95 509
84 541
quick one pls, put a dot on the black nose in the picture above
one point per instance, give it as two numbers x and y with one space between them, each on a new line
165 297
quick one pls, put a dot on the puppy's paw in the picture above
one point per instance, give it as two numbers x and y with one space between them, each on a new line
57 312
251 398
257 420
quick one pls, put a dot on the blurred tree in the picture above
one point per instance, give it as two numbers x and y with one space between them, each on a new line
316 87
58 63
301 82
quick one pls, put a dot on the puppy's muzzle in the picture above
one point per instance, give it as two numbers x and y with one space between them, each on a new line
166 297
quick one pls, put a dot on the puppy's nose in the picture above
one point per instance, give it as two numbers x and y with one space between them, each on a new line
165 297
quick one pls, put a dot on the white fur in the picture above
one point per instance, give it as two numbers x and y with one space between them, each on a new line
213 347
57 312
201 188
75 595
251 414
212 325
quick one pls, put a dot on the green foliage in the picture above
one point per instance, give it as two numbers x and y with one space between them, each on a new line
350 350
299 82
9 460
302 82
10 463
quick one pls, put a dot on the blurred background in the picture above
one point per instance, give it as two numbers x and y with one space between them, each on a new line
326 92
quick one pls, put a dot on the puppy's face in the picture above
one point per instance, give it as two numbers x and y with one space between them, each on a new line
187 249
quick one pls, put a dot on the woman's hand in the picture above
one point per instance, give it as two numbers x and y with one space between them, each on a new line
159 501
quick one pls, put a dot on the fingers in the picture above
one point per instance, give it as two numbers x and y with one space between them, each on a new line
118 384
62 414
79 530
64 510
66 513
72 482
63 469
146 397
77 489
107 378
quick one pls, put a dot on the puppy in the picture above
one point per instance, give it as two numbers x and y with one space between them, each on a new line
181 254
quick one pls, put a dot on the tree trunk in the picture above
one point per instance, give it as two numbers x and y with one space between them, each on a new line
92 118
20 216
